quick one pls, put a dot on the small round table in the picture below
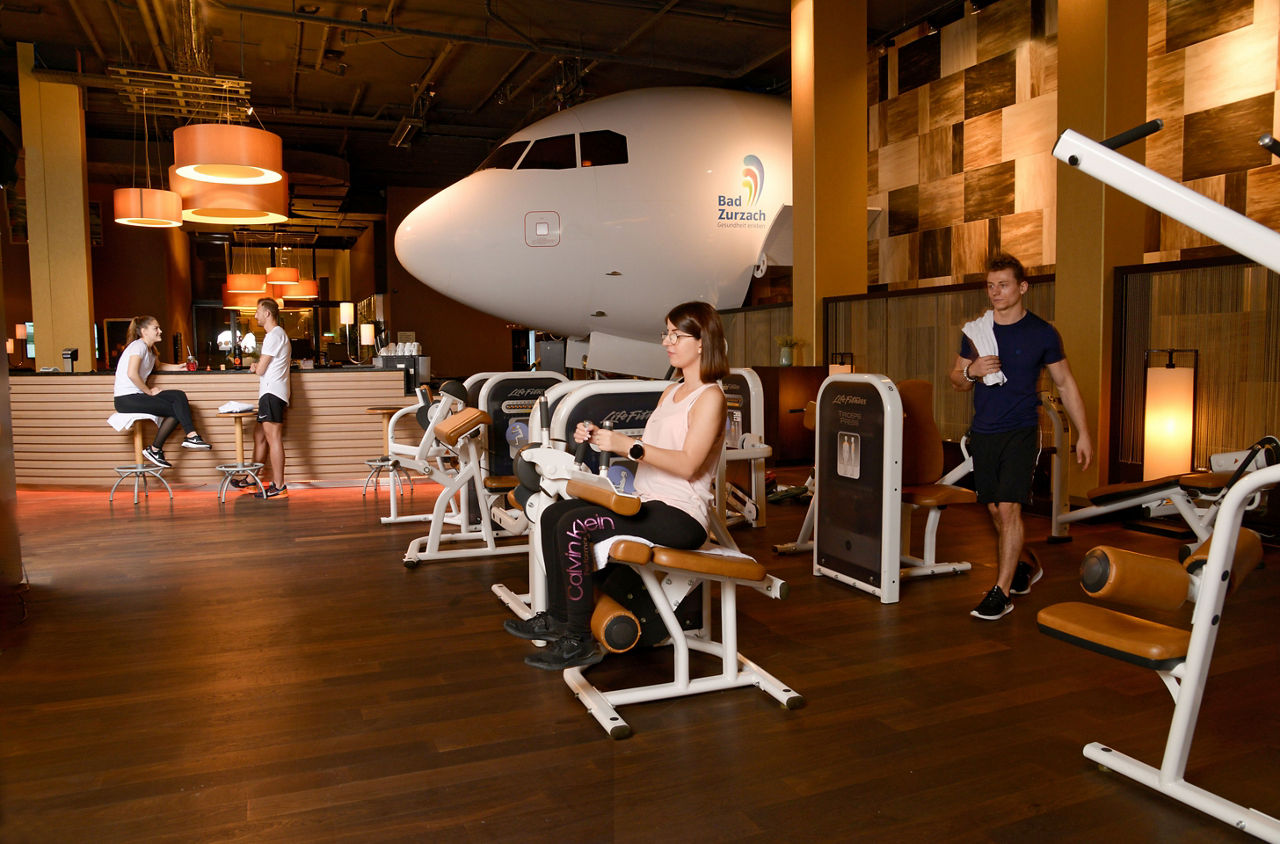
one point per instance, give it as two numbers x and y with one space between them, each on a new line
240 467
399 477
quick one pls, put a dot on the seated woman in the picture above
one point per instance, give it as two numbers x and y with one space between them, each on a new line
132 395
676 462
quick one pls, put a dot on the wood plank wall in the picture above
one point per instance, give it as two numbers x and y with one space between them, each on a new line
61 436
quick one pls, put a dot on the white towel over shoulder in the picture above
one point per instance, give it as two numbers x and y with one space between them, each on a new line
983 337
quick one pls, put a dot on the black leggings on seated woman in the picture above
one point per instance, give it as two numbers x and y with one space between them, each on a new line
572 526
170 404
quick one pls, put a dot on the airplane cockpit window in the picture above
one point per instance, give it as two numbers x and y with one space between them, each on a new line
603 147
504 157
555 153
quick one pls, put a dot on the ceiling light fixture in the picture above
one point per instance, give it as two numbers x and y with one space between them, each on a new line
227 154
146 207
232 205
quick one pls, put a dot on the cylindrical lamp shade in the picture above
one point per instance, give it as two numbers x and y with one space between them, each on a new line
254 283
229 154
282 275
232 205
366 334
1169 414
20 330
306 288
147 207
241 301
346 313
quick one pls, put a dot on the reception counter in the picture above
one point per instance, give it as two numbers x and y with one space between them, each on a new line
61 436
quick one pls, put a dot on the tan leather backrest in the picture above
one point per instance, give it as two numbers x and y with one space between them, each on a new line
921 441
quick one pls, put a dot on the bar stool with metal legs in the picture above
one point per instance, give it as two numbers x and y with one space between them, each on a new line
140 470
240 467
398 474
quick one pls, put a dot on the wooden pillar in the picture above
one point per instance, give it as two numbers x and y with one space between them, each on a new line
829 160
1102 72
57 215
10 545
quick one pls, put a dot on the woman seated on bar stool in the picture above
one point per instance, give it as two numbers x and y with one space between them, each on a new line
132 395
676 462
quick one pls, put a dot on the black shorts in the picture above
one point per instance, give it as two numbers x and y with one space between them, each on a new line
271 408
1004 465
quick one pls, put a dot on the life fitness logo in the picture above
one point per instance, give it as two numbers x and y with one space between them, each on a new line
740 211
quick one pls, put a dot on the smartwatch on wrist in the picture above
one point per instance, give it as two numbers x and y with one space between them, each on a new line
636 452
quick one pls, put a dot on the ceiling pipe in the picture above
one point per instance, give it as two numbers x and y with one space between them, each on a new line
724 14
87 30
324 45
297 65
640 30
502 80
545 48
120 30
149 24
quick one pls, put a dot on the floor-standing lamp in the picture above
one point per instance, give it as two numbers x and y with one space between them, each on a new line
347 316
1169 402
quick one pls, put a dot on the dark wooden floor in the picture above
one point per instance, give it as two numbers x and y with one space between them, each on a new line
269 671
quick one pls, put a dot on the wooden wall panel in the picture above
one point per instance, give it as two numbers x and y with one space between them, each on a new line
982 141
1235 66
990 85
988 192
1188 22
1030 127
920 62
942 202
61 435
1208 148
946 101
1002 27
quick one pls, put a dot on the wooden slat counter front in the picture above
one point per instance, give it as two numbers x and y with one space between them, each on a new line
61 436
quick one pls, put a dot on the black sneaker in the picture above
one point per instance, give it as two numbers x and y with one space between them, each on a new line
194 441
273 491
243 482
995 605
566 652
1024 577
156 456
541 626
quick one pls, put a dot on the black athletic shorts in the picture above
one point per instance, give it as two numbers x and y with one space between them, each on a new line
1004 465
271 408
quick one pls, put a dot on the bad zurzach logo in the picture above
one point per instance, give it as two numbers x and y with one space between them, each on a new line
740 212
577 536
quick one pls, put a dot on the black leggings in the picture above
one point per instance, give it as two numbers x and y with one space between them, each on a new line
170 404
570 527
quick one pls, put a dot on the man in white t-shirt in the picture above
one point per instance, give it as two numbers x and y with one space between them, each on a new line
272 370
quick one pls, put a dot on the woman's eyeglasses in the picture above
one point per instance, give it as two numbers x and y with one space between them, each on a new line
672 336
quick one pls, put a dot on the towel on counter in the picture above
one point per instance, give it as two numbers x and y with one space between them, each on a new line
983 337
236 407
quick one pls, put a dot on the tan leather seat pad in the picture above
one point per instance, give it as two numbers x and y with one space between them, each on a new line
1148 640
937 495
450 430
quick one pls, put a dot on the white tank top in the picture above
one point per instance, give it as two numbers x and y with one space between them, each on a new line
667 428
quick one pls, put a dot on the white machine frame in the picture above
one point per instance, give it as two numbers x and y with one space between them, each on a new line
1186 681
732 504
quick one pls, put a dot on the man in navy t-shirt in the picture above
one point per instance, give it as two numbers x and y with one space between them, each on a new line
1005 435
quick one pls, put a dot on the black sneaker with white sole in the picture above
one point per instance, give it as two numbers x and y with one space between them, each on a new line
566 652
542 626
1026 575
194 441
156 456
995 605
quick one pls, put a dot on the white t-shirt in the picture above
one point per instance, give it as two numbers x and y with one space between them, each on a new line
146 362
276 379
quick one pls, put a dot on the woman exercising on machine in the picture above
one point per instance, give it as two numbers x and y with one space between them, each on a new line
676 461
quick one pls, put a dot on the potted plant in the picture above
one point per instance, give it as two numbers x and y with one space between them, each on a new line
786 346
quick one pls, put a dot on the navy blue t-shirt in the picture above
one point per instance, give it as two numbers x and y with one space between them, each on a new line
1025 347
